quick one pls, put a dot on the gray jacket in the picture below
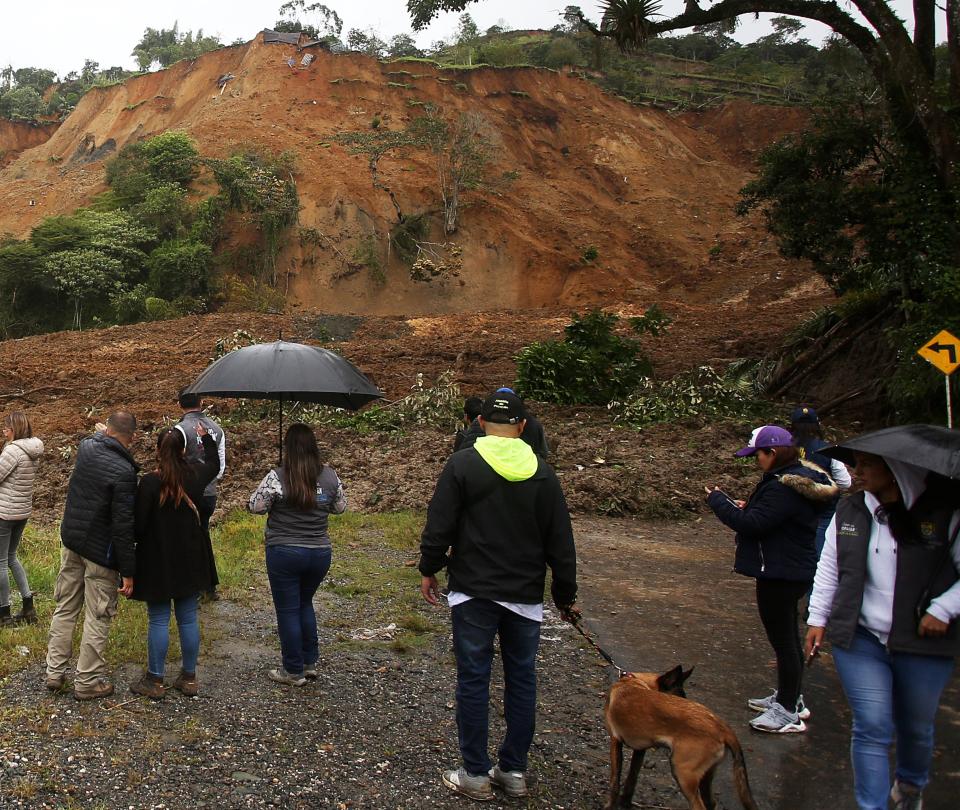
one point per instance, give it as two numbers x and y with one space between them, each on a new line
18 470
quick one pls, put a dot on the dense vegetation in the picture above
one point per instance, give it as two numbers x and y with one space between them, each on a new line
143 249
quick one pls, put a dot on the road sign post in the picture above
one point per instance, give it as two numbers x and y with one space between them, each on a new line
943 351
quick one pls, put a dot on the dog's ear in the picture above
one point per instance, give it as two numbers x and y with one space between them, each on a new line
671 681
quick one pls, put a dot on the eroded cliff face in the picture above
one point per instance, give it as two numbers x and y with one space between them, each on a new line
575 168
17 136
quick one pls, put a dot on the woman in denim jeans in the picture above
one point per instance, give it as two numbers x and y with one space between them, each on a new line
18 470
298 498
887 592
174 557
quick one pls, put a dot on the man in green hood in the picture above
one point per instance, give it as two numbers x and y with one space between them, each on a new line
499 511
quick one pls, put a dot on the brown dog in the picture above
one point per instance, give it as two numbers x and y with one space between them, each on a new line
645 710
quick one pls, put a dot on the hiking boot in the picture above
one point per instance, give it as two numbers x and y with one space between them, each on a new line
762 704
27 614
5 620
55 683
474 787
150 686
777 720
186 684
100 689
282 676
513 783
906 796
310 672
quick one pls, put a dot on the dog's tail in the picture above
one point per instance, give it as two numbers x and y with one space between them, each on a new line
739 769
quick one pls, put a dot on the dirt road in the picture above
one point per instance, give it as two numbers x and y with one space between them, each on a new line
658 594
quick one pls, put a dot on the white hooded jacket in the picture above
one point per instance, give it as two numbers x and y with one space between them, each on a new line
18 470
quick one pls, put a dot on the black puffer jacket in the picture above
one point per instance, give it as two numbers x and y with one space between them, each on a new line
776 529
98 518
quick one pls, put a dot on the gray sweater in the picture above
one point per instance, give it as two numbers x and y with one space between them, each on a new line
288 525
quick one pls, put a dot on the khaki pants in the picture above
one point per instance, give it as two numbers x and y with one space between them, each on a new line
94 587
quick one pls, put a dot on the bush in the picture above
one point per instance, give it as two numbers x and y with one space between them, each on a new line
180 269
592 365
693 394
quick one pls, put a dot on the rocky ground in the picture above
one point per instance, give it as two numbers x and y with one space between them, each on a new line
378 726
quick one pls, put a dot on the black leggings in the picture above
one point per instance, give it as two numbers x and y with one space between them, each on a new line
777 601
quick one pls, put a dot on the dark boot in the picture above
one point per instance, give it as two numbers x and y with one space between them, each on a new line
27 614
150 686
5 620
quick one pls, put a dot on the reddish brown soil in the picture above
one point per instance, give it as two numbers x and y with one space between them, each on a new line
17 136
651 191
69 381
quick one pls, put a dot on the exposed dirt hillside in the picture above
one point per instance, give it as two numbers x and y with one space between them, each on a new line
649 191
16 136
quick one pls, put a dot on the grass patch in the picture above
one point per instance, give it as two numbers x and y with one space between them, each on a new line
371 556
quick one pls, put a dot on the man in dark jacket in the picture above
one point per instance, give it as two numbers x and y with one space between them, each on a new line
500 511
532 432
97 555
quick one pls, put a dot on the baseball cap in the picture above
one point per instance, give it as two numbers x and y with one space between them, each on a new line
804 414
503 407
764 438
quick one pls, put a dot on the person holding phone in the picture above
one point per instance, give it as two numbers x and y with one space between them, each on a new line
775 530
888 595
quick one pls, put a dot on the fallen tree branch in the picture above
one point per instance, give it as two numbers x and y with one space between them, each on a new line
25 395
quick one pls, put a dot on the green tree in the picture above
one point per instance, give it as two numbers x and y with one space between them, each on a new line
21 104
180 270
403 45
166 46
84 275
366 42
164 209
27 299
315 20
37 78
170 157
562 52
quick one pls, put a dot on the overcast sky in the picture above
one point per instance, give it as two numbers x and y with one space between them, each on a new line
61 34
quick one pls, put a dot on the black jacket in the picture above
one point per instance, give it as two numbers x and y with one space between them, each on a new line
174 556
98 517
532 434
776 529
502 534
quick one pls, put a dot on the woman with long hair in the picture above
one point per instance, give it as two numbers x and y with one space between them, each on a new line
298 498
18 470
887 595
174 560
775 545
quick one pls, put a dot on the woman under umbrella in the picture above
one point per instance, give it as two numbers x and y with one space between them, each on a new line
298 497
887 593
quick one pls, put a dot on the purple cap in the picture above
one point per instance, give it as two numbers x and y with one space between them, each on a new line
766 437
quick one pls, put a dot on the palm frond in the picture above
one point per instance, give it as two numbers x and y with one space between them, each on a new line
628 22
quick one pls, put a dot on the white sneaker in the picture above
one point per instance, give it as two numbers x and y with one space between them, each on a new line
762 704
474 787
513 783
777 720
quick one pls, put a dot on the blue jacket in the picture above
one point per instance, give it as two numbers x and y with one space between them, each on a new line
776 529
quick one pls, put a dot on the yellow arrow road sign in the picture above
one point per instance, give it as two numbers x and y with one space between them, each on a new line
943 351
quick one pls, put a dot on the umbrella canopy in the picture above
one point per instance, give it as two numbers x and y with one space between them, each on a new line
928 446
287 371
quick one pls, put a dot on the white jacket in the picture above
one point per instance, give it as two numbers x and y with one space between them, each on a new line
18 470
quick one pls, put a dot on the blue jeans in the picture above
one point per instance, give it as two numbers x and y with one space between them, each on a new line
295 573
158 634
10 533
475 624
889 693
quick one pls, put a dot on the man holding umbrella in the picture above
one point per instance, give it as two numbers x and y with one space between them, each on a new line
887 591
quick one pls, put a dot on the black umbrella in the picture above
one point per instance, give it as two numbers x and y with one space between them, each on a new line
928 446
287 371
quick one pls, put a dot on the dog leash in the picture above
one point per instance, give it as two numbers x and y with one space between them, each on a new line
606 656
